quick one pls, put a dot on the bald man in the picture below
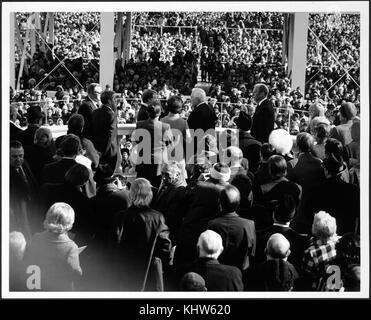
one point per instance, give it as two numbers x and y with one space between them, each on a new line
238 234
263 119
278 247
217 276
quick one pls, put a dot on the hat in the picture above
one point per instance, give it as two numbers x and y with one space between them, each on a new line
278 275
220 171
104 174
348 110
281 141
243 121
192 281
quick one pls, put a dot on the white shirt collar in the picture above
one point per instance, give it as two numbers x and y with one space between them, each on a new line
261 101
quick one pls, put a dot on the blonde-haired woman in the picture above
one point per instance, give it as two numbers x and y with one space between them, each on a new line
54 254
138 230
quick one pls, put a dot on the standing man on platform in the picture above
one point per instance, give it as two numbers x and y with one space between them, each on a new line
91 103
148 97
263 120
203 116
104 130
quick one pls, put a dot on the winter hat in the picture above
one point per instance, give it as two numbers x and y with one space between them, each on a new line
220 171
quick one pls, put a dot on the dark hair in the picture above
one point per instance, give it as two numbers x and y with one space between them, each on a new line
333 164
175 104
154 109
335 147
285 208
148 95
305 141
277 166
70 145
321 131
16 144
266 151
107 96
76 124
229 199
77 175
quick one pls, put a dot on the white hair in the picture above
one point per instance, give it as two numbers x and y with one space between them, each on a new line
17 246
198 95
324 226
141 192
278 247
210 244
59 218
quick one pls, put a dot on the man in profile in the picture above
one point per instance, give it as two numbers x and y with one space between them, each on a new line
263 119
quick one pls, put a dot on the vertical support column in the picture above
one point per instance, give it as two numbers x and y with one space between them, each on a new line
107 59
12 50
127 37
297 49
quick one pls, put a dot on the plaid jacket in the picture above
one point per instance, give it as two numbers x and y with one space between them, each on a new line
317 257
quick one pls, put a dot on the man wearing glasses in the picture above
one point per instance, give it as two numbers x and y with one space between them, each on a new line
91 103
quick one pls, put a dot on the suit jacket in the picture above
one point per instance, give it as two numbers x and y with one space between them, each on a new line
160 135
217 276
239 239
263 121
26 137
298 243
37 157
54 172
86 110
250 149
104 125
143 113
202 117
14 130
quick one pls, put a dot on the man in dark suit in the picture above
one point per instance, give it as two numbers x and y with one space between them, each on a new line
148 97
104 130
263 119
34 117
248 144
202 117
22 190
217 276
238 234
87 107
283 214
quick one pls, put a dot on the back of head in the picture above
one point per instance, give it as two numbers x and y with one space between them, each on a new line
210 244
141 192
149 95
192 281
220 172
78 175
277 167
322 131
229 199
348 110
198 96
335 147
76 124
175 104
244 185
17 246
59 218
278 247
40 135
285 209
104 174
70 146
154 109
107 97
281 141
34 115
262 89
305 141
324 226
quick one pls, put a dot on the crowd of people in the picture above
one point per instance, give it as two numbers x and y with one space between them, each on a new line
253 211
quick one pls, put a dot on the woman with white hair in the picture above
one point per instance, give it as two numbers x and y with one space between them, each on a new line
322 250
138 230
53 252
